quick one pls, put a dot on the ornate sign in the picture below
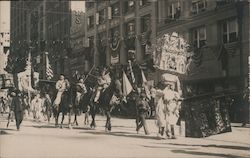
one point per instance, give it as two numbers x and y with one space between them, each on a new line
171 53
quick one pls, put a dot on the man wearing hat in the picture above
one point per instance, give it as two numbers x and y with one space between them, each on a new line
80 90
142 108
18 105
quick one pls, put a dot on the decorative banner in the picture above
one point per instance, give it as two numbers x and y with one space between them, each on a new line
171 53
114 46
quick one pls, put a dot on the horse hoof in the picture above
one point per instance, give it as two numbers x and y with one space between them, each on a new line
70 127
61 127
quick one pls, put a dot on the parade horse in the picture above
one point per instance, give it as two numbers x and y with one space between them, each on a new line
107 101
65 107
83 103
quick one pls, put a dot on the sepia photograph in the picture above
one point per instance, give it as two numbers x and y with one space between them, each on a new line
125 79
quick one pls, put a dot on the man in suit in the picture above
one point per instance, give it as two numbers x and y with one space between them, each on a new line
18 105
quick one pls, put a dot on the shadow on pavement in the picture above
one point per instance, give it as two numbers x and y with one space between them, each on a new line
3 131
213 145
122 134
206 154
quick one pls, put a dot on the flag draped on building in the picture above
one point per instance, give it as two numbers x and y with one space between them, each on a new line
49 71
127 87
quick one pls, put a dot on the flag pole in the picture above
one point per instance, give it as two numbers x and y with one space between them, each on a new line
29 72
46 62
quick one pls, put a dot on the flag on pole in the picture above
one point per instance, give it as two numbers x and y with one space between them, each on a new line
127 87
144 84
49 71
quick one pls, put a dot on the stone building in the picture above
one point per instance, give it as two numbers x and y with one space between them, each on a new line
39 27
218 33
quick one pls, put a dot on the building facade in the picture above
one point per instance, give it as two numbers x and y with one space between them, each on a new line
78 58
218 34
39 27
120 30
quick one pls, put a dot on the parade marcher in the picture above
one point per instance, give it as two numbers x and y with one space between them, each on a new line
61 86
26 106
142 108
103 82
80 91
47 104
36 105
2 106
11 107
18 105
171 99
245 107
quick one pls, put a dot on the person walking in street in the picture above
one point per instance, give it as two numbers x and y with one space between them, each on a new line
171 99
2 106
26 106
36 104
18 105
47 106
245 108
142 108
11 108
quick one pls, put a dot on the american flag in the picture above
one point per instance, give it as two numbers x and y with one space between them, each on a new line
49 71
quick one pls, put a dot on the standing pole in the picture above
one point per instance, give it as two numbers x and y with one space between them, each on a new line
29 75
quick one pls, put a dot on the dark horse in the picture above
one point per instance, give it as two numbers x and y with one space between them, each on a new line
83 103
64 107
105 104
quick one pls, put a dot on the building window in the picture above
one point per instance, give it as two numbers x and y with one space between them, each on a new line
129 6
90 22
174 10
198 6
102 17
144 2
130 29
199 37
223 2
230 30
89 5
145 23
115 10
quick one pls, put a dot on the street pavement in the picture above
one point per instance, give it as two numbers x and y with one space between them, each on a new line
42 140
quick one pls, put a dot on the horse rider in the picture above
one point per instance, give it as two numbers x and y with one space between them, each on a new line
61 85
80 91
103 82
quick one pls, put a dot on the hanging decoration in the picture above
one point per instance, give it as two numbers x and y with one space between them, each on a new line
114 46
171 53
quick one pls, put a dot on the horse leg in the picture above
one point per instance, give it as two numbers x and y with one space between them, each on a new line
76 119
62 120
69 124
108 122
56 118
93 124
